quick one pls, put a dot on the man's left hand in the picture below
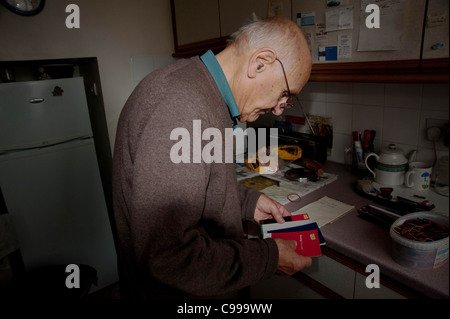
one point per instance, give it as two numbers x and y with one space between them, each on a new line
267 208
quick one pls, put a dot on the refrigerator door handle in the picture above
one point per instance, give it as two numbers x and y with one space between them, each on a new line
36 100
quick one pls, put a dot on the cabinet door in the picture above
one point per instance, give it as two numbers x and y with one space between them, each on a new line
362 292
235 13
282 287
436 30
332 274
196 20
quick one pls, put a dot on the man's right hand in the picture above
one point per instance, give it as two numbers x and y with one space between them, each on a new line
289 262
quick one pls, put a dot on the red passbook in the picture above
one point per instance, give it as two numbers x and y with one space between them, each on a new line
308 243
303 216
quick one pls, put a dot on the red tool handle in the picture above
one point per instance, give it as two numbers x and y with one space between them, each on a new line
366 139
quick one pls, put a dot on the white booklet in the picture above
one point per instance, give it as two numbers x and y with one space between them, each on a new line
325 210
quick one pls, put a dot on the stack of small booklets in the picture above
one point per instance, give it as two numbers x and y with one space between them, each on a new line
299 228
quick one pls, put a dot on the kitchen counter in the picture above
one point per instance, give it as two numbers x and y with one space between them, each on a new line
363 242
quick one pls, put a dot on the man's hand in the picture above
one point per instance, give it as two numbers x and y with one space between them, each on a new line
289 262
267 208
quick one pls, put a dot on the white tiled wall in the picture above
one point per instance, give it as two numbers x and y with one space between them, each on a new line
397 112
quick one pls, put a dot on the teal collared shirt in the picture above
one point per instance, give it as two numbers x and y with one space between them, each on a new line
216 71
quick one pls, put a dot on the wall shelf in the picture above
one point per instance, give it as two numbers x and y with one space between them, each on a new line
416 67
198 48
404 71
407 71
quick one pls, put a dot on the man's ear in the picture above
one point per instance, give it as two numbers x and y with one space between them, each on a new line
260 60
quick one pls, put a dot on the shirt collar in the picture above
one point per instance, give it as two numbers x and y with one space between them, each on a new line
216 71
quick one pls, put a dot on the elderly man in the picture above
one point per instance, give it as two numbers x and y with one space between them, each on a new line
180 225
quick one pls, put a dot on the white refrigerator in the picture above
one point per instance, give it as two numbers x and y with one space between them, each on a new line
50 179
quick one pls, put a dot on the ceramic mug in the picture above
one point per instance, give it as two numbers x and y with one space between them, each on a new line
418 176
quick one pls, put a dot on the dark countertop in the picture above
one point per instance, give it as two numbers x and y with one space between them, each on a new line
368 243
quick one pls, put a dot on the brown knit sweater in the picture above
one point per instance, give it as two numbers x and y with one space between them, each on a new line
180 225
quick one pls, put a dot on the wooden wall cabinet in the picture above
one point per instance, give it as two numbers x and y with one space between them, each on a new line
200 25
410 38
196 25
196 20
235 13
436 30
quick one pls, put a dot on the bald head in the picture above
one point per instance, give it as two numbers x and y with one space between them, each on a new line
265 63
281 34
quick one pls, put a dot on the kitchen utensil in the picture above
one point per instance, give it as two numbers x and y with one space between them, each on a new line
390 166
301 175
433 135
366 186
313 165
358 151
400 204
385 192
312 146
289 152
419 206
366 141
418 176
372 139
380 216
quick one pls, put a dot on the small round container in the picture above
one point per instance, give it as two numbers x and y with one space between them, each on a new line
417 254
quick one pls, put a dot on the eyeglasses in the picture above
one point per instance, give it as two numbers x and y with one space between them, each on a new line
289 103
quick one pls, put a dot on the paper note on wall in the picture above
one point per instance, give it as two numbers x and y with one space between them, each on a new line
307 18
321 35
388 36
345 46
339 19
329 53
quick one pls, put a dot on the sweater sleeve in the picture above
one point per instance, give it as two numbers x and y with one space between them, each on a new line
249 197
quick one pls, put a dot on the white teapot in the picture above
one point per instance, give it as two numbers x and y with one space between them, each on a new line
390 166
